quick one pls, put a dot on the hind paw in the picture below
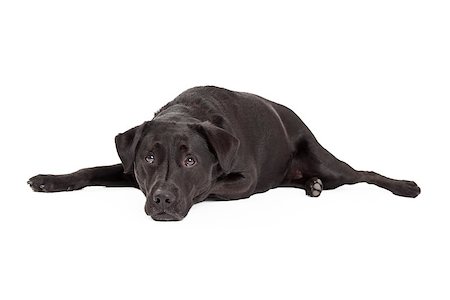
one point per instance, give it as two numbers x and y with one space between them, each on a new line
406 188
314 187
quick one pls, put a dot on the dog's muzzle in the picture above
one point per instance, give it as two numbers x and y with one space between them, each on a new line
163 204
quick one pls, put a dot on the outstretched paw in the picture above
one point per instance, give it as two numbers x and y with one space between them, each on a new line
314 187
50 183
406 188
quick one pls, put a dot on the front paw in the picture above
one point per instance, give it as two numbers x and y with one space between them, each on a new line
50 183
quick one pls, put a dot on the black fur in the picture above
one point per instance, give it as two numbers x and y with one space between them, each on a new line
212 143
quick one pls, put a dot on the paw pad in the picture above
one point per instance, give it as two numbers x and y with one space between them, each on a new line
314 187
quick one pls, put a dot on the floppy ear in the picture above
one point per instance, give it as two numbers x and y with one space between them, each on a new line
126 144
222 143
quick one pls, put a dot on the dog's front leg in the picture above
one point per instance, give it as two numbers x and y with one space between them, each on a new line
234 186
110 176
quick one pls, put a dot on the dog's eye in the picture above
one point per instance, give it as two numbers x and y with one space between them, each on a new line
150 158
189 161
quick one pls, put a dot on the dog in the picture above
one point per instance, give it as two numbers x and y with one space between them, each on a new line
213 143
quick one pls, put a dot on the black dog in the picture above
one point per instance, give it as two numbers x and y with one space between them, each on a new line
212 143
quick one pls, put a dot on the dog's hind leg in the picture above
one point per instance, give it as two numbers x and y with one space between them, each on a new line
403 188
109 176
313 168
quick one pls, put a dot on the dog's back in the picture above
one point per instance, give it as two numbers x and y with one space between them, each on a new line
266 146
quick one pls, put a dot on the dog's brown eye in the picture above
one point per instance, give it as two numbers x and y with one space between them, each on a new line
150 158
189 161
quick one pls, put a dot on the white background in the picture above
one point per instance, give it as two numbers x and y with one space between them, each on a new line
370 79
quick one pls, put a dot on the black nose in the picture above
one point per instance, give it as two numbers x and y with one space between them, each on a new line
163 199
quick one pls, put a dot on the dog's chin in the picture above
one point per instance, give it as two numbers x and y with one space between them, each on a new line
166 216
174 213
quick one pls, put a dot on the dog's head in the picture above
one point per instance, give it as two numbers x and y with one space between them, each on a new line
175 164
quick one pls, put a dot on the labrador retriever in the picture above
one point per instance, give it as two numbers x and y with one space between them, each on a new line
213 143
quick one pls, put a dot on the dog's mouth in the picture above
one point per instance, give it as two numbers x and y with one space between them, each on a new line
163 214
166 216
